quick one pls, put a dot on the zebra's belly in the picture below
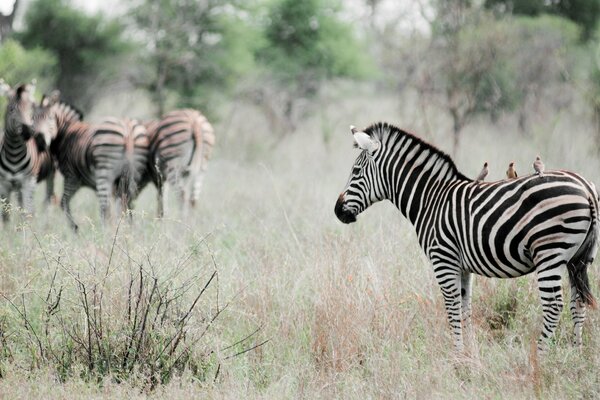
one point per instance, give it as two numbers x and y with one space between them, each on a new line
495 268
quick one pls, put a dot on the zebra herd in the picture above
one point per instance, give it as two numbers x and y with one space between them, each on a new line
116 157
545 222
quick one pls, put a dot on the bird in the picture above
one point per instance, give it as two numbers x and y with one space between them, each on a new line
483 173
511 172
538 166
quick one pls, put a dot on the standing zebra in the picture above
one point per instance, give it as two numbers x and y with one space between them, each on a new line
180 147
502 229
109 157
24 160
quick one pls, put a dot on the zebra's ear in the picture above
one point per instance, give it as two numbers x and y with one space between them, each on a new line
365 141
4 88
51 99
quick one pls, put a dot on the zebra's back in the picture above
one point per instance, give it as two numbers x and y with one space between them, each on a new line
181 142
501 229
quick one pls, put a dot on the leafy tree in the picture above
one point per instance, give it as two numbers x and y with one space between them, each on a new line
194 50
18 65
86 47
583 12
306 43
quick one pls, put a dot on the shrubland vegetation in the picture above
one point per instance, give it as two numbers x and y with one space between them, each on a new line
261 292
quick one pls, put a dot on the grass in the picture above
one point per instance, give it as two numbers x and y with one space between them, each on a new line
305 307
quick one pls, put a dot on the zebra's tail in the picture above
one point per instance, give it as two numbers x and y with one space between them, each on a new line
127 185
584 256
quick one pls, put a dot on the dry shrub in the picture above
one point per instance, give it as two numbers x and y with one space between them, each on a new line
336 331
124 316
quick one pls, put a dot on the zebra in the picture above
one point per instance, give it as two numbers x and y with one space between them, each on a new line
503 229
180 147
24 156
109 157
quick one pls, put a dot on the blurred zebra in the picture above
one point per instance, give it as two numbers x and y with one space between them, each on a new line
180 147
24 157
109 157
501 229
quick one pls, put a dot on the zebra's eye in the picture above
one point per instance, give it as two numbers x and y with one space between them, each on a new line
356 170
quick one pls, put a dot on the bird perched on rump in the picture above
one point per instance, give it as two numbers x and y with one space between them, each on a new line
483 173
538 166
511 172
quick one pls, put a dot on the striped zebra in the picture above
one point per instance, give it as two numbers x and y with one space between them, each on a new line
109 157
24 157
503 229
180 147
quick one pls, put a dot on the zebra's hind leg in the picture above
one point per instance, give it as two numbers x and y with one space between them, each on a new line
104 191
578 311
550 288
50 197
449 279
71 186
196 188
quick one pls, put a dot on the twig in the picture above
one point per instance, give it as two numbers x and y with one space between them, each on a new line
247 350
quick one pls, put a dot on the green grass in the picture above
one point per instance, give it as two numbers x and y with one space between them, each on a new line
346 311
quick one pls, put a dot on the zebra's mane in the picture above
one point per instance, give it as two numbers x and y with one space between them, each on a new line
69 110
383 130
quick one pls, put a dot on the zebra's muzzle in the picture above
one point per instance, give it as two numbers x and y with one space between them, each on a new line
343 214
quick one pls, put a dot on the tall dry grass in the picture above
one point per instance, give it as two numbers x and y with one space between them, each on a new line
325 310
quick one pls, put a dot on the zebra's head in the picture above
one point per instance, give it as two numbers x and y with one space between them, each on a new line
44 120
364 186
18 119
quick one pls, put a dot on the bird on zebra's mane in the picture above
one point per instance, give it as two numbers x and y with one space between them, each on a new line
483 173
511 172
538 166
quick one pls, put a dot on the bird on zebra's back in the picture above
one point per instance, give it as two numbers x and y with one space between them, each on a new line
24 156
109 157
504 229
538 166
484 172
181 145
511 172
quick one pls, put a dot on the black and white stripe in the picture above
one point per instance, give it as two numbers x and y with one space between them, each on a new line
180 147
501 229
109 157
24 159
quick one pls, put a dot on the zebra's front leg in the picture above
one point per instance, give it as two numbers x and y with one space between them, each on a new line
26 195
466 280
449 279
578 311
4 202
71 186
550 289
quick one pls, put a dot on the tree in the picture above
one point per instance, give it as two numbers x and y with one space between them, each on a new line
7 21
466 68
18 65
86 47
305 44
192 51
541 50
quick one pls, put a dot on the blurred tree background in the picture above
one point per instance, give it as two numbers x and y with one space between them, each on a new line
489 59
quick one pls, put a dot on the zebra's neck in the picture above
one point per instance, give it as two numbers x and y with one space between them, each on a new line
13 136
417 175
